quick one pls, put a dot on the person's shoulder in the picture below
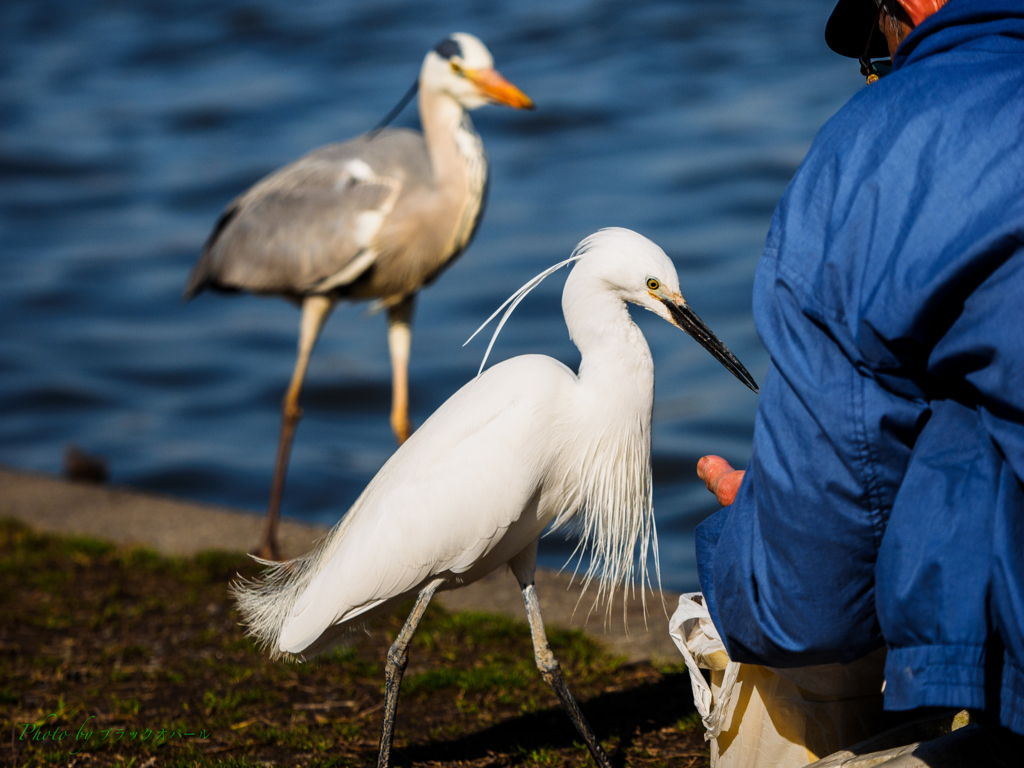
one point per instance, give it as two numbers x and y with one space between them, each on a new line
955 97
857 130
913 179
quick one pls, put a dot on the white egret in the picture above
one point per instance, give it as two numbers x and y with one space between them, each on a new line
526 444
377 217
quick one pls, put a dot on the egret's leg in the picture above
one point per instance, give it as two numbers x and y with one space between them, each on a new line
399 342
398 658
552 674
315 311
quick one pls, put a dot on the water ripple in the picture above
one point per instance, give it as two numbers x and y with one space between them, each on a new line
128 127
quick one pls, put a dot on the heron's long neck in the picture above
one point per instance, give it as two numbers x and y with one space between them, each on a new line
459 163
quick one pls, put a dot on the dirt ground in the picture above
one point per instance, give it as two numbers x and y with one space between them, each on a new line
125 657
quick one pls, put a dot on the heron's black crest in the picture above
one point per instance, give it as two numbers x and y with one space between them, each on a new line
448 48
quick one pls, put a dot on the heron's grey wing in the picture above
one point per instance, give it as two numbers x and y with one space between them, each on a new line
309 226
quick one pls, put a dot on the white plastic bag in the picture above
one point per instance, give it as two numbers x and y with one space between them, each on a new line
757 717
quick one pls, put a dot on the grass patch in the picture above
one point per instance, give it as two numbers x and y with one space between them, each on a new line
138 660
495 677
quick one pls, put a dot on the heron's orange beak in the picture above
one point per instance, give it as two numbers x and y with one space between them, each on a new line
491 83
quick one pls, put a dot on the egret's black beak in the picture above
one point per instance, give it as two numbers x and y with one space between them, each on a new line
687 319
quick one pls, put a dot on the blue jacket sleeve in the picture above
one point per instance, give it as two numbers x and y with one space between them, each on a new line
789 565
878 506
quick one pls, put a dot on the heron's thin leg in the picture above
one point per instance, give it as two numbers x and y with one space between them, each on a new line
315 311
399 342
552 674
398 658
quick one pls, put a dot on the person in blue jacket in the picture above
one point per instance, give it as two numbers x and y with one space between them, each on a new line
884 499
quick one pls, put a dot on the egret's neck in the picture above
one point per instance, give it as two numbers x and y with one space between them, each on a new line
615 357
458 160
611 429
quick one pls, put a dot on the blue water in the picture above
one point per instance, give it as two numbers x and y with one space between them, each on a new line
126 126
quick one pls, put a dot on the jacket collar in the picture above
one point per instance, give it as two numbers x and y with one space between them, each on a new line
960 22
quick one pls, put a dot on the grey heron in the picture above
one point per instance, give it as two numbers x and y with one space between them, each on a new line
377 217
526 444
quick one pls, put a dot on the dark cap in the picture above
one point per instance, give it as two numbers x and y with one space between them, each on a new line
849 26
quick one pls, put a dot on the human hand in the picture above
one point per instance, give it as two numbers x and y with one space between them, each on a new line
720 478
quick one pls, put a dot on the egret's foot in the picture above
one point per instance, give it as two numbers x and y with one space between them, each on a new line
549 668
398 659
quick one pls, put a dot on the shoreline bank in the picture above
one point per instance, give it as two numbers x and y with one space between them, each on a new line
171 526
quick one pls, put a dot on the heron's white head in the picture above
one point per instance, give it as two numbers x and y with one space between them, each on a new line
460 66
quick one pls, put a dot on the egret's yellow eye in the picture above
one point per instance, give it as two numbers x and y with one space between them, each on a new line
653 284
456 68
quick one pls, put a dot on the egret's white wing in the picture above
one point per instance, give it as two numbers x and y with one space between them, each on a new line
454 492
